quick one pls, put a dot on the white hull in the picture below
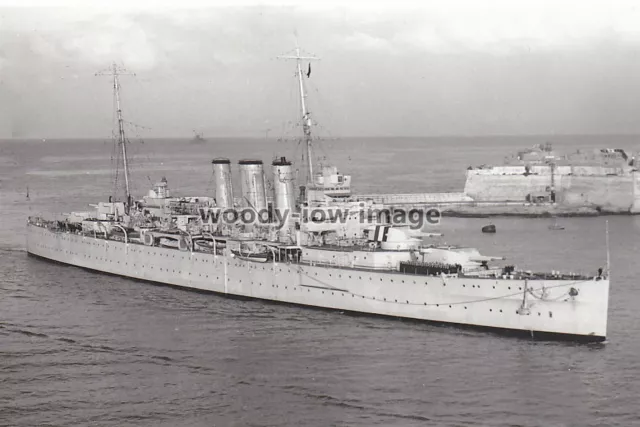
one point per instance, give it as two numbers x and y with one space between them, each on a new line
488 303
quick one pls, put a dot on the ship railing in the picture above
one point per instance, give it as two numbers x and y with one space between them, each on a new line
554 275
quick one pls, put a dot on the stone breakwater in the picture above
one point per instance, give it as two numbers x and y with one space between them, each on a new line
461 205
532 211
487 193
612 193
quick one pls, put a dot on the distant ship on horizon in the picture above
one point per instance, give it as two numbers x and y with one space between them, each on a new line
198 138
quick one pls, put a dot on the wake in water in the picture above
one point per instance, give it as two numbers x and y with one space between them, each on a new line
9 249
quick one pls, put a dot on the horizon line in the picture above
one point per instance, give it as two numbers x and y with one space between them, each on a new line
255 137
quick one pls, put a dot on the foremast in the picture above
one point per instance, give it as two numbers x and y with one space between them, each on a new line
306 115
115 72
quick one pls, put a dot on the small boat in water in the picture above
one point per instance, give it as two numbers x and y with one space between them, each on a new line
489 228
556 226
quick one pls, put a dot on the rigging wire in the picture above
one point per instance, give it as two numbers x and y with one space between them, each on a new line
132 128
115 154
139 159
322 105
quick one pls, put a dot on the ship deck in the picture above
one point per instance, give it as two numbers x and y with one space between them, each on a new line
519 275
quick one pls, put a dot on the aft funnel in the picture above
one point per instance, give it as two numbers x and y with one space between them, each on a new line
284 197
222 176
283 180
252 181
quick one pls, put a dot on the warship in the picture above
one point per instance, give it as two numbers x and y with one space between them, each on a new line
197 138
303 241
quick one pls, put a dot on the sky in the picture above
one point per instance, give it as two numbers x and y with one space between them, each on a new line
427 68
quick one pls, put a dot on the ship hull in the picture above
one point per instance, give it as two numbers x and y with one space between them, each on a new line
472 302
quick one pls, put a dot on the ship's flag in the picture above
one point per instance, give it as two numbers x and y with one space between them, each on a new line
380 235
309 71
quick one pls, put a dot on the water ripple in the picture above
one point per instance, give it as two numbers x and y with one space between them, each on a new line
78 349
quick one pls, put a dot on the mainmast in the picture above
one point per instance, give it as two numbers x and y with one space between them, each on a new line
116 71
306 115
